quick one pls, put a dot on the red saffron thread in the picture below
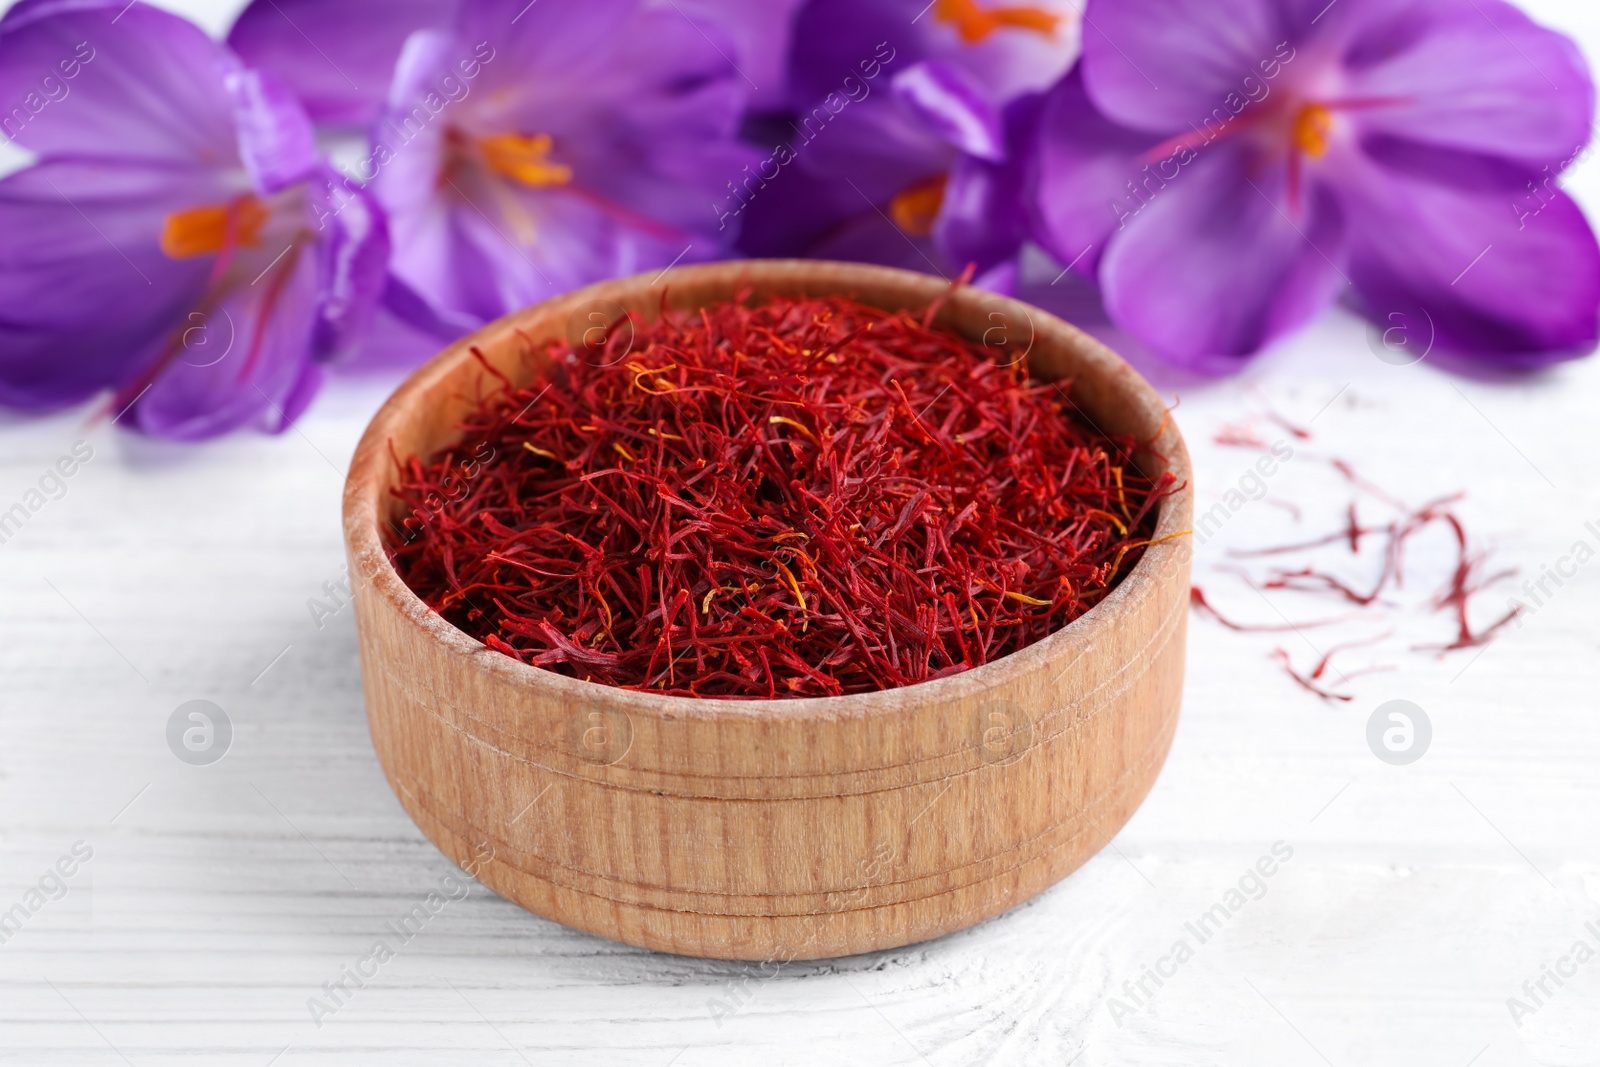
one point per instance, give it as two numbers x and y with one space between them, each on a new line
1239 435
1285 505
1307 683
1198 601
802 497
1244 434
1327 657
1467 579
1300 432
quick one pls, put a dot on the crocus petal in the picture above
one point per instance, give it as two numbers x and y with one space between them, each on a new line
276 143
454 251
393 343
1454 167
816 214
673 150
337 55
1469 76
840 44
762 33
640 108
892 95
985 217
451 256
425 57
242 362
1212 268
354 252
646 123
1515 283
786 216
1090 176
112 80
835 40
413 311
404 168
953 107
868 237
135 256
982 220
1009 62
483 247
548 37
84 287
1160 65
879 150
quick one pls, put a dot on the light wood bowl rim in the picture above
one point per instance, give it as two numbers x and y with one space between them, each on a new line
367 481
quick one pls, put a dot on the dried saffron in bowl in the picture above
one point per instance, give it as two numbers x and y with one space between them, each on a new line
794 497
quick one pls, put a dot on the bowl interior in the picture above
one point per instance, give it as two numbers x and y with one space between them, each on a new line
424 416
456 383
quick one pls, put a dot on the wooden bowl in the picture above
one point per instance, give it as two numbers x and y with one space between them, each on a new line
782 829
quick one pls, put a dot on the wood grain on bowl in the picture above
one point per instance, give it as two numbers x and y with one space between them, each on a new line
781 829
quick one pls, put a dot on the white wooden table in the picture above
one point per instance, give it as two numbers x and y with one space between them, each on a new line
219 899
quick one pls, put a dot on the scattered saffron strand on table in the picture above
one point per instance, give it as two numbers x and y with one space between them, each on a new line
1197 599
802 497
1327 657
1352 533
1234 435
1467 579
1291 508
1344 467
1300 432
1244 434
1310 681
1461 589
1307 683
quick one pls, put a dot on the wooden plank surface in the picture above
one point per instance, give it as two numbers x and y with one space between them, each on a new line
220 899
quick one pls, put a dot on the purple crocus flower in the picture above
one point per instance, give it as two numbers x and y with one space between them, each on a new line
761 34
1226 168
982 48
174 240
532 148
298 40
904 109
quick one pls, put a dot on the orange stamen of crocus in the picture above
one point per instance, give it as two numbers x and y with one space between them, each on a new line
1308 138
1312 124
915 207
525 159
975 23
203 231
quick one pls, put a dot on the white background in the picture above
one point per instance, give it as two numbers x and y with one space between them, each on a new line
219 899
